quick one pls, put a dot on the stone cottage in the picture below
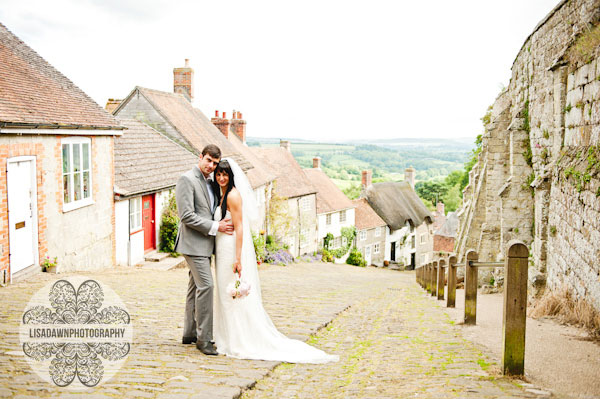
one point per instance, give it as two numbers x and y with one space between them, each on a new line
334 210
147 166
56 164
298 219
408 220
371 231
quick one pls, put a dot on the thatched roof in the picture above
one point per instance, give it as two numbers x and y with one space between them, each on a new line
397 203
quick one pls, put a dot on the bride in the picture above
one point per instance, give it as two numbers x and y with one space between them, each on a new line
242 328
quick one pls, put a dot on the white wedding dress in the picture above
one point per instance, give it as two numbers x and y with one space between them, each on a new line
242 328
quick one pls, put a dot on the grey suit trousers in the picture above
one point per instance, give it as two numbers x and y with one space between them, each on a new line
198 320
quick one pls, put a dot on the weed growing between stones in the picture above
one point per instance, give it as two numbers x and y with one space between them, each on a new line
585 47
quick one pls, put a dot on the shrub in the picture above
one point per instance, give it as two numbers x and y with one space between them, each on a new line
279 257
356 258
259 247
169 226
326 256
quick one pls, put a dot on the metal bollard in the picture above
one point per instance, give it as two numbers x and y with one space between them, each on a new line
470 288
515 308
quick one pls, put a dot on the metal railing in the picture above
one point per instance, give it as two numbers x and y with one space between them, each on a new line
433 279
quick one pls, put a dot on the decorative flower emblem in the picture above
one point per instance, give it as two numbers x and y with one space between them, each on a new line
81 344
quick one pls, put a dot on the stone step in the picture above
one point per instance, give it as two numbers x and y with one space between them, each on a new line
167 263
155 256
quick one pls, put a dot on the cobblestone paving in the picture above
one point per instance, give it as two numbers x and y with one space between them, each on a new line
393 340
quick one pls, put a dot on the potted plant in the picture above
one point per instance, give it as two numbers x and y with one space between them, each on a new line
49 265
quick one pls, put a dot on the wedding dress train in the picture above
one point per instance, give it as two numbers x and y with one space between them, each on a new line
242 328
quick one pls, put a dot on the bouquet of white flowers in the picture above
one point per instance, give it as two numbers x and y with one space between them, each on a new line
238 288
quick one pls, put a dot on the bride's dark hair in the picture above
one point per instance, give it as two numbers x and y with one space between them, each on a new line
224 166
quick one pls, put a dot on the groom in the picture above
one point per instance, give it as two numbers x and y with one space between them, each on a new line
196 203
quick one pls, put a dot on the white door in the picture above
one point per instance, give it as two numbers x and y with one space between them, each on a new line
22 212
368 254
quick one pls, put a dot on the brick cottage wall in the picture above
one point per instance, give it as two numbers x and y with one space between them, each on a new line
11 150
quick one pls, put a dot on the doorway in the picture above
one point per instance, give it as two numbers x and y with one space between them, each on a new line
148 222
22 213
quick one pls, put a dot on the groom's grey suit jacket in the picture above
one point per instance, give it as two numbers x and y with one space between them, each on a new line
195 213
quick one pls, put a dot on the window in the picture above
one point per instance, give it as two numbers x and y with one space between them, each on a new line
76 172
423 238
135 214
337 242
342 216
328 219
363 235
376 248
412 242
378 232
305 204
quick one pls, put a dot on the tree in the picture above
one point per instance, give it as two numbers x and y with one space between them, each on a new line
431 191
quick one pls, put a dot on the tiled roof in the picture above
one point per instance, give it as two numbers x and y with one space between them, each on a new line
450 226
146 160
261 173
397 203
33 93
290 181
190 122
365 217
329 197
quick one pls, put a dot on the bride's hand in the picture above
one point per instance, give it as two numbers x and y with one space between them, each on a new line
237 268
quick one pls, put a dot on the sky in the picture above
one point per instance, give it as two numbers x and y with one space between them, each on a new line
326 70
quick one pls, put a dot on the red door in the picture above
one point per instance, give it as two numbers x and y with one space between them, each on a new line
148 222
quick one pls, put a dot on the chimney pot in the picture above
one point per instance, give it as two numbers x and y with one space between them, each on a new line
285 144
441 208
409 176
240 114
183 80
224 113
366 178
317 162
216 114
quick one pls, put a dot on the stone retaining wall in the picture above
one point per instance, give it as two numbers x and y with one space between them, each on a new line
537 179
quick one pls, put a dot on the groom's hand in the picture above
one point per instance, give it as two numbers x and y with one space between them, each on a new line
225 226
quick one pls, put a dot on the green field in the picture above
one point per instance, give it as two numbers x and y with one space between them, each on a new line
344 162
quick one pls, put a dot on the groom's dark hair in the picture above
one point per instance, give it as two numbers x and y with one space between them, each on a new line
212 150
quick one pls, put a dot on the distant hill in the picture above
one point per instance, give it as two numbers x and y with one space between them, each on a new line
344 161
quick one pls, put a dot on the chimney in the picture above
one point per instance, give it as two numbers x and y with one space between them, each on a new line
238 126
366 179
221 123
440 208
285 144
317 162
112 104
183 80
409 176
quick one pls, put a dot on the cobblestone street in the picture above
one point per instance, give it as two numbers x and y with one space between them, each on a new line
393 340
